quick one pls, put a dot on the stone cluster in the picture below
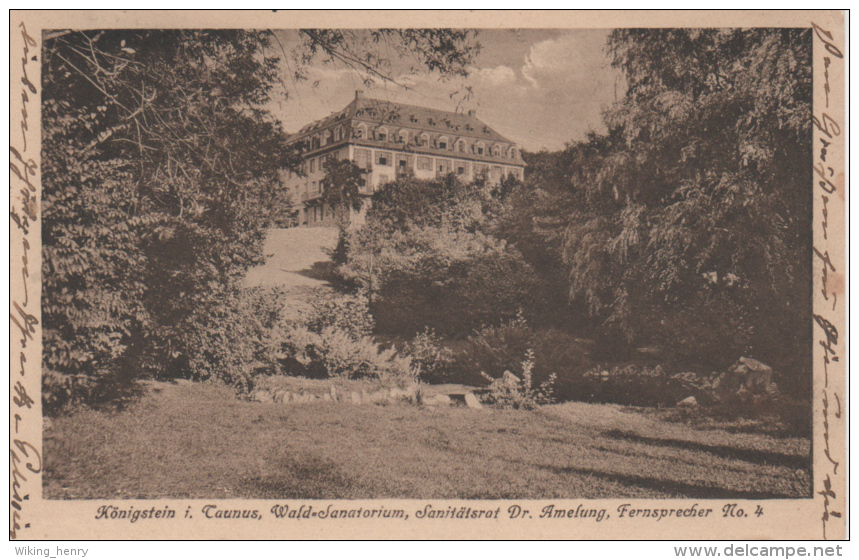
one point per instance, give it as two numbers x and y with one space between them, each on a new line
411 394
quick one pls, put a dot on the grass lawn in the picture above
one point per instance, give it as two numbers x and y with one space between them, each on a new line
191 440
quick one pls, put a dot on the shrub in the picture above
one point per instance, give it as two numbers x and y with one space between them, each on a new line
511 392
337 353
243 339
492 350
346 313
433 360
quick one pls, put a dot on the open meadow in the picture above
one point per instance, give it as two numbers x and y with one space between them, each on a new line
195 440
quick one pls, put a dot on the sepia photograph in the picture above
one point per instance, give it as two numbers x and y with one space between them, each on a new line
428 273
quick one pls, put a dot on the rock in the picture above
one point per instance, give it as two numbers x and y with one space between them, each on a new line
279 395
365 398
333 392
379 397
263 397
752 375
356 397
472 402
688 402
438 400
326 397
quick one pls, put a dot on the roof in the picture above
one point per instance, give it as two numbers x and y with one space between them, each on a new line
407 116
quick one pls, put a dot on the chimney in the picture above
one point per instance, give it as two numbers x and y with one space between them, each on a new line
359 93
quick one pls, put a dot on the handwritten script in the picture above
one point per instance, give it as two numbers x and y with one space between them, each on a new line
24 457
827 139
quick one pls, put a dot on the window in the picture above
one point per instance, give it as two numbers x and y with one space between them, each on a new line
442 143
424 140
404 137
312 164
362 158
462 168
313 187
460 146
424 163
382 134
443 166
358 132
322 163
496 172
480 169
383 158
512 153
496 151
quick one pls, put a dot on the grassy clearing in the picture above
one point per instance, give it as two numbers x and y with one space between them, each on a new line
188 440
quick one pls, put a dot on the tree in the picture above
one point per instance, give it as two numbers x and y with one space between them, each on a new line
695 225
425 258
342 186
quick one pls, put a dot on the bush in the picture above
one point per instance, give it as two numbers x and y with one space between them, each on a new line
337 353
243 339
492 350
346 313
509 391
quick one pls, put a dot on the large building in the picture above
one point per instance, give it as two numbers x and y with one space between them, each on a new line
389 140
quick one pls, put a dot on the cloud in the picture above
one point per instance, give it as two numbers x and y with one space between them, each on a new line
544 90
494 77
563 60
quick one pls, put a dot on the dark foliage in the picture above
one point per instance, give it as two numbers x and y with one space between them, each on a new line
158 179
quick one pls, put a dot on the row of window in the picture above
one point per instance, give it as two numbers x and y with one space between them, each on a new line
407 162
424 139
420 139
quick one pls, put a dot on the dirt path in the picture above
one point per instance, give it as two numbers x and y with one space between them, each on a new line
292 255
296 259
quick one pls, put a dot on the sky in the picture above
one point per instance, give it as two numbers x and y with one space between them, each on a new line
539 88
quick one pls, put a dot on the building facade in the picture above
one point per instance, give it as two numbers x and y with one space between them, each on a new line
389 140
